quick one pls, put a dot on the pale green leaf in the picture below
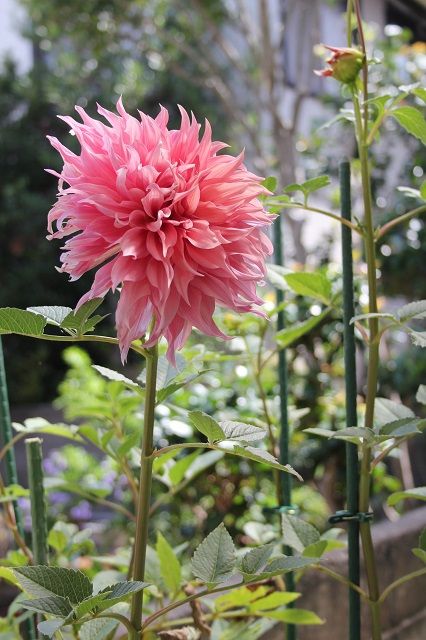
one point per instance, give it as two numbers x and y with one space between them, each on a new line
12 492
207 426
260 455
420 92
21 322
241 431
169 564
177 472
294 616
314 285
239 597
403 427
297 533
386 411
294 332
412 311
270 183
421 394
115 376
420 554
97 629
52 315
273 601
412 120
50 627
214 559
418 493
8 575
418 338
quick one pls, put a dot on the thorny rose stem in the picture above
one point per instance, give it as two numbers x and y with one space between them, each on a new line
142 514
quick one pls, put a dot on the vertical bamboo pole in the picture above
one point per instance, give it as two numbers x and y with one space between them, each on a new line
286 482
38 503
352 467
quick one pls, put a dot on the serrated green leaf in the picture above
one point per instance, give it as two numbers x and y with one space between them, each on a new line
313 285
418 338
323 433
115 376
40 425
386 411
297 533
355 434
403 427
21 322
41 581
52 315
294 616
412 120
49 627
52 605
121 590
80 321
291 334
214 559
412 311
206 425
284 564
260 455
418 493
169 565
314 184
255 559
87 605
273 601
241 432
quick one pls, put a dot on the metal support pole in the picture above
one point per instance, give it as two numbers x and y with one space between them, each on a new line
284 439
352 467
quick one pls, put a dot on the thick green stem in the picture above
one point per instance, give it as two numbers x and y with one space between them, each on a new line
372 375
142 517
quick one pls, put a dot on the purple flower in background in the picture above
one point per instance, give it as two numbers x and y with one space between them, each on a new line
82 511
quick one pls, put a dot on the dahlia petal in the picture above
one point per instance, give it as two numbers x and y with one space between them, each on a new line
160 213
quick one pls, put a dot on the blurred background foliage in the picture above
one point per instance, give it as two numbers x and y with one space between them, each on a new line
155 52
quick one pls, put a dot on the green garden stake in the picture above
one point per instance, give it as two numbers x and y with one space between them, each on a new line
6 436
352 471
284 426
38 503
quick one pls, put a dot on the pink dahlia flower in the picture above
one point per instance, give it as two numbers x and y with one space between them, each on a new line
162 216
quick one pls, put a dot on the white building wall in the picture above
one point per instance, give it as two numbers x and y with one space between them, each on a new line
12 43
